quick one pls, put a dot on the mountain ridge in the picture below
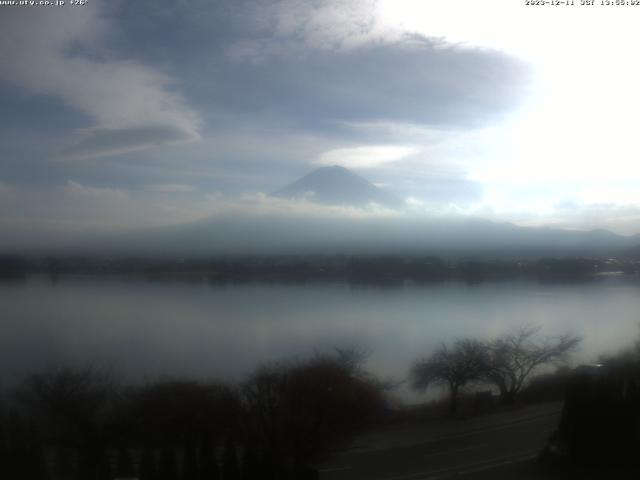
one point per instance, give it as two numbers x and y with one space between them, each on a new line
400 232
336 185
460 237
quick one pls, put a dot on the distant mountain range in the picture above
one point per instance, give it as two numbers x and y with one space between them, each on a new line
338 186
259 233
451 237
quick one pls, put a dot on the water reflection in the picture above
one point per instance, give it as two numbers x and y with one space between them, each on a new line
207 329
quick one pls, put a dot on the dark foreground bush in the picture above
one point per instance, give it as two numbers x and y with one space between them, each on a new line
299 410
547 387
600 422
80 424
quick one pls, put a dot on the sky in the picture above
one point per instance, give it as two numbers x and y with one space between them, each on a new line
120 115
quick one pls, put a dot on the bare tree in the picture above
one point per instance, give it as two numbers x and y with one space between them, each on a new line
513 357
453 366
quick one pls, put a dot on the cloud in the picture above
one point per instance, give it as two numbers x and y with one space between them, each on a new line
46 216
62 215
261 204
6 191
324 25
99 142
415 81
75 189
316 64
62 52
269 87
365 156
172 188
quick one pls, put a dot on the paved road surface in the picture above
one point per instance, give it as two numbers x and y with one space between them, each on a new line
501 450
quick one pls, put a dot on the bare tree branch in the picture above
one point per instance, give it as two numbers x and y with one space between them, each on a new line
454 367
513 357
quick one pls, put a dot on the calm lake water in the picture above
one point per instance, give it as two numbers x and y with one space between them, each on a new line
146 329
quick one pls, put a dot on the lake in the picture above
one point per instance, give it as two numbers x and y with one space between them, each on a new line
145 328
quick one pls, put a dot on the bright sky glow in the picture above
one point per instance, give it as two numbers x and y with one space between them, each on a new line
576 137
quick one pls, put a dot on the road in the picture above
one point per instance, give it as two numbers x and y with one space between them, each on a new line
499 450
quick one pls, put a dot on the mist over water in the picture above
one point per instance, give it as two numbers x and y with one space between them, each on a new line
145 329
